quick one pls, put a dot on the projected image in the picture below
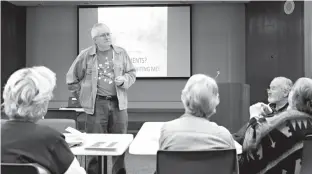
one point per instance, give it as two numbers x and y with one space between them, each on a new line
142 31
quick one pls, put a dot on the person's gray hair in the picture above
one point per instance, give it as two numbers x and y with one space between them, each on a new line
95 29
27 93
302 95
200 96
287 84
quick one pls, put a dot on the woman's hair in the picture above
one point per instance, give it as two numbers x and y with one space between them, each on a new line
27 93
301 97
200 96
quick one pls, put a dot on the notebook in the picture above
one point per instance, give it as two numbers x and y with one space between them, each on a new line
74 137
73 140
103 145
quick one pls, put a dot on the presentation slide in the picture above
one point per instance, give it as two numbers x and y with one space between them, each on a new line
157 39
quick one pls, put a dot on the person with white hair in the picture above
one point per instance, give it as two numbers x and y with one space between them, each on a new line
26 97
278 102
99 78
274 144
193 130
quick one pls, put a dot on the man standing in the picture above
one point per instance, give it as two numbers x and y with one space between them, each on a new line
99 78
278 102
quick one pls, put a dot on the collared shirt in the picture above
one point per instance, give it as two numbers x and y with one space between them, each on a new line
276 111
82 77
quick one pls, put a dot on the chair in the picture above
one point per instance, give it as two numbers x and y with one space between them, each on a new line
196 162
58 124
306 167
29 168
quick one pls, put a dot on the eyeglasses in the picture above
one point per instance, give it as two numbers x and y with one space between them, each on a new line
105 35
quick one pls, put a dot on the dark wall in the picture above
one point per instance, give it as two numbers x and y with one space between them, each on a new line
274 45
13 39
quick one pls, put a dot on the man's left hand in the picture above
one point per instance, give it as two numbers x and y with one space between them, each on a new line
257 109
120 80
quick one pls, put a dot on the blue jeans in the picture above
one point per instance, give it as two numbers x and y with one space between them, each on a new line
107 118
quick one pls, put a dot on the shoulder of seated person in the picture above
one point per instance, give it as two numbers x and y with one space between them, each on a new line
222 129
46 132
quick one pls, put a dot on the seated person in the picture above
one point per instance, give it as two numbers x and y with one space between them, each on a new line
273 145
278 102
194 130
26 97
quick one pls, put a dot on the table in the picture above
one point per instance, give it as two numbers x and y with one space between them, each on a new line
146 141
123 140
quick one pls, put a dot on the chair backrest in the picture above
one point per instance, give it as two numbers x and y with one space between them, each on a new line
29 168
306 167
58 124
196 162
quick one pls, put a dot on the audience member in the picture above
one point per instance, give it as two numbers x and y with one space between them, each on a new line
278 102
274 144
194 130
26 97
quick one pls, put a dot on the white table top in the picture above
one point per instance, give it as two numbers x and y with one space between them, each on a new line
72 109
146 141
124 140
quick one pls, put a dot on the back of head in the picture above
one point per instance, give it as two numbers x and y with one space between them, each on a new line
200 95
27 93
301 95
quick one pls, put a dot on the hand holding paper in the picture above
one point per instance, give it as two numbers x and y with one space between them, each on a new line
74 137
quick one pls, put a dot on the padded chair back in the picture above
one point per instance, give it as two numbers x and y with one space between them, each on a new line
29 168
306 167
196 162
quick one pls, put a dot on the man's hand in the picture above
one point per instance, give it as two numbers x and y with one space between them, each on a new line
120 80
259 109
